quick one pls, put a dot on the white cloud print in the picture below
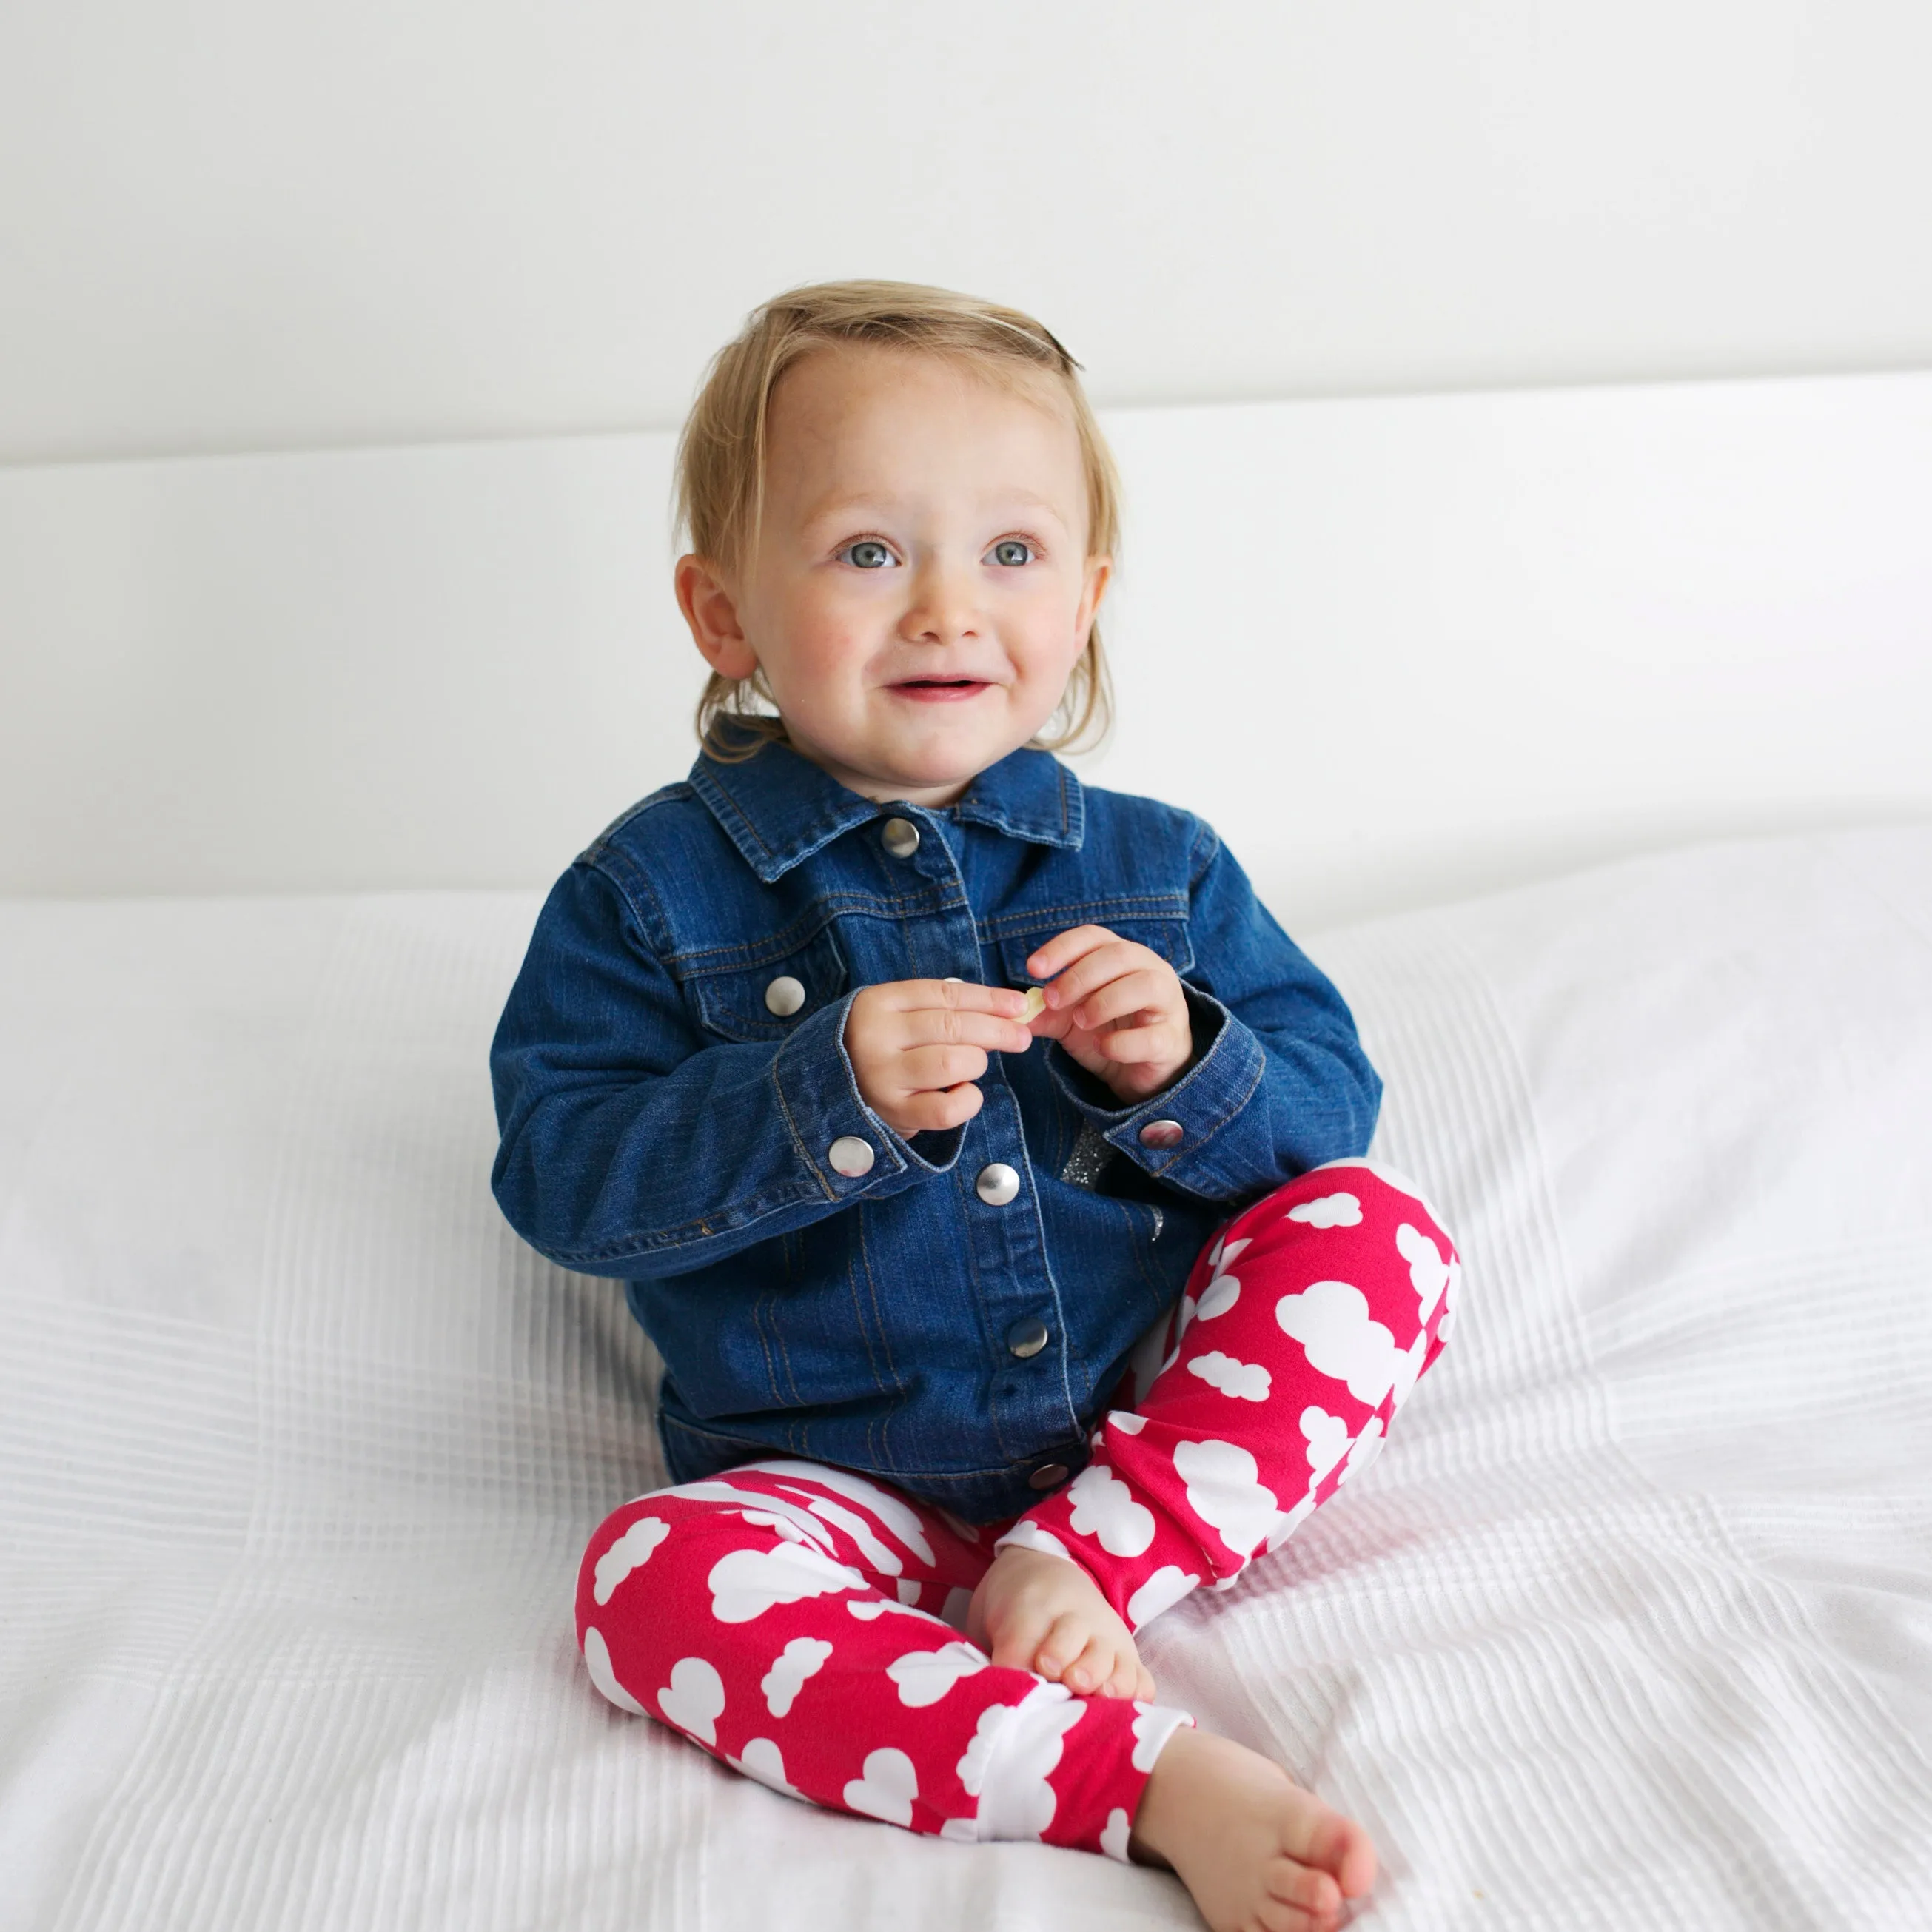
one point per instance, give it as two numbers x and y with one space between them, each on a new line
794 1523
1288 1522
631 1551
746 1583
869 1610
1223 1491
1027 1535
1331 1321
897 1514
1153 1725
1327 1437
885 1788
1332 1211
597 1660
1161 1591
1368 1446
1217 1298
693 1699
1224 1288
804 1656
924 1676
1104 1506
1428 1273
1015 1748
1247 1381
1225 1250
883 1559
974 1766
763 1761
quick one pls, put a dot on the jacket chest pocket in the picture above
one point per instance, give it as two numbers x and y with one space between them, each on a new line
767 1001
1167 936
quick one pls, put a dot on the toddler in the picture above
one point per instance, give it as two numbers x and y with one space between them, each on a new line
985 1161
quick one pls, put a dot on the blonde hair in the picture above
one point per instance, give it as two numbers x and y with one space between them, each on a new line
722 453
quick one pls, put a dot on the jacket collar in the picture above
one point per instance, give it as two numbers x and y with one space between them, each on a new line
778 809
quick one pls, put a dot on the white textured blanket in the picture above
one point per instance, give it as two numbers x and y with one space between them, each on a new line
1633 1625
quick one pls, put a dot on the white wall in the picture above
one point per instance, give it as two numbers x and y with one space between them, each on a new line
226 225
1397 649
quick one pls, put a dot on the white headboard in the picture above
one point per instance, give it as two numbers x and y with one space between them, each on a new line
1397 649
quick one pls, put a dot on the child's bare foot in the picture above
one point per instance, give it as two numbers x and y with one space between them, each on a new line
1259 1853
1042 1613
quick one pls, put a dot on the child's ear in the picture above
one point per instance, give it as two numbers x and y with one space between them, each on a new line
1099 570
711 610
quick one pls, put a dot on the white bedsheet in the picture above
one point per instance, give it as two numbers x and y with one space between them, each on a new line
1633 1625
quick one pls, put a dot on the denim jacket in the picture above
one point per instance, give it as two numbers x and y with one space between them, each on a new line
671 1083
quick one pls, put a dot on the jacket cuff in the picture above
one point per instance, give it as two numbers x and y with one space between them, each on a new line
819 1100
1203 1102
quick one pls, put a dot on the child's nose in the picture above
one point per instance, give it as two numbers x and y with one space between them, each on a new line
942 607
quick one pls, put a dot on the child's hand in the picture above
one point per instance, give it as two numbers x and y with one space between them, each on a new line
1117 1007
918 1046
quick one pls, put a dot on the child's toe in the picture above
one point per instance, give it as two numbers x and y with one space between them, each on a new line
1314 1892
1065 1639
1337 1846
1272 1915
1016 1646
1091 1669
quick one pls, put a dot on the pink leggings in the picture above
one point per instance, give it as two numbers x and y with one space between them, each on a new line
801 1622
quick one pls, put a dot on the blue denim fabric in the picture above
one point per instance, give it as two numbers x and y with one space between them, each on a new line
661 1125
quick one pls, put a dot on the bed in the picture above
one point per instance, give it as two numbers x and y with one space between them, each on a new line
1634 1625
299 1444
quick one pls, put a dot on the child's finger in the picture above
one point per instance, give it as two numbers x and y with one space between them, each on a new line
1101 967
944 1026
960 996
1144 990
935 1111
1046 1025
1129 1045
925 1068
1063 948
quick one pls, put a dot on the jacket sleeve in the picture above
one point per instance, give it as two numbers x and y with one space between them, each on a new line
1279 1082
632 1145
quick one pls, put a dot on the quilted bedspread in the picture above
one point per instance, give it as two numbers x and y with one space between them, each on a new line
1631 1626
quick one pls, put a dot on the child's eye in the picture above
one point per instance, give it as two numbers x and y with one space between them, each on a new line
1013 550
868 554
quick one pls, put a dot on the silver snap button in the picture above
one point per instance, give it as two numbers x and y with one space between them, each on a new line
1048 1476
785 995
1027 1336
850 1157
998 1184
1162 1134
901 838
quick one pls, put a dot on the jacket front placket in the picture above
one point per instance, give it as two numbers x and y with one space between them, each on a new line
997 1206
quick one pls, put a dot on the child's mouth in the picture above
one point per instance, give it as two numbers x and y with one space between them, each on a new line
939 691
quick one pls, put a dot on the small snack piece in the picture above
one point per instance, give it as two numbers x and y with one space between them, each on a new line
1036 1005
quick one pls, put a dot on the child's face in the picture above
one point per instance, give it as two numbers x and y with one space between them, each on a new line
920 589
